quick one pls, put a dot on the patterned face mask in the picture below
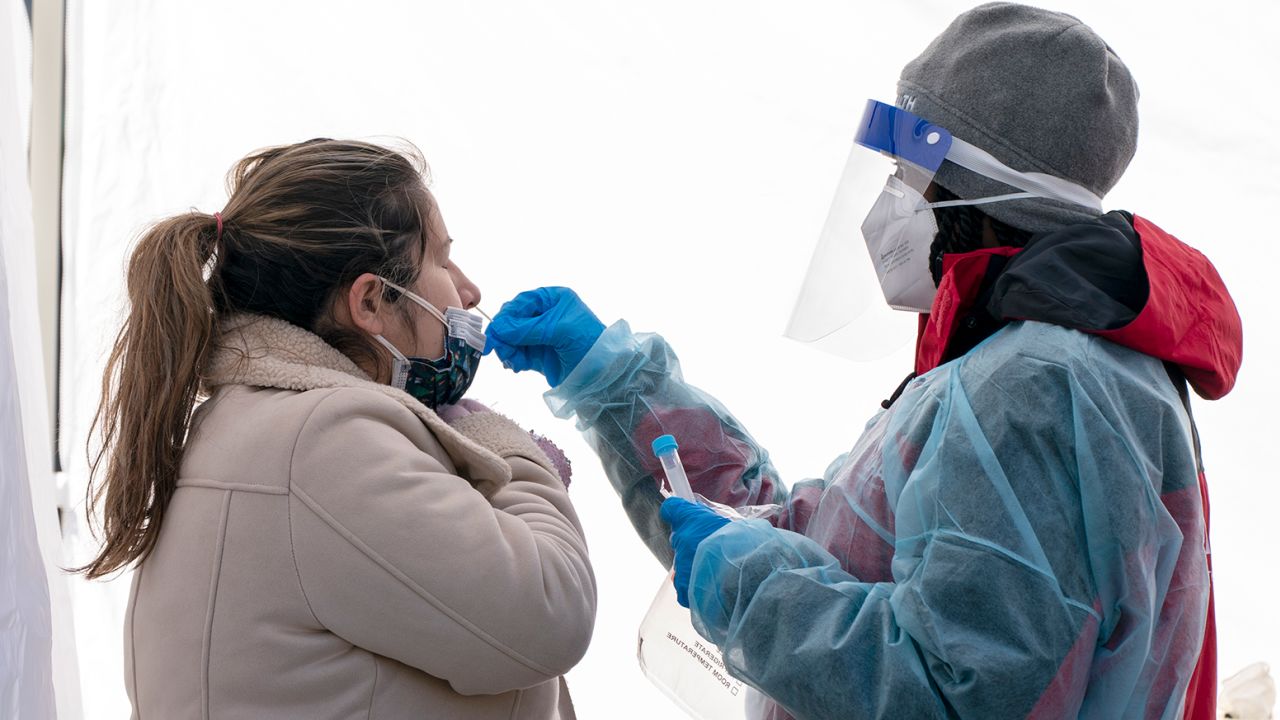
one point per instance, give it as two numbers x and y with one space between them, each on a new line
445 380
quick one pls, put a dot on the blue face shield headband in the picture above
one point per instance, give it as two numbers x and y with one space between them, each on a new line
918 147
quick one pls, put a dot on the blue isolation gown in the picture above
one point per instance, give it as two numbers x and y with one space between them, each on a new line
1020 535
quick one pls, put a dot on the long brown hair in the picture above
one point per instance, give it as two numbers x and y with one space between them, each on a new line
301 224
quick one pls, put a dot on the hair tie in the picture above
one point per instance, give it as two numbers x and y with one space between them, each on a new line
218 216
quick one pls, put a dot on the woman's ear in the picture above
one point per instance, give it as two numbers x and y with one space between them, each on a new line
364 303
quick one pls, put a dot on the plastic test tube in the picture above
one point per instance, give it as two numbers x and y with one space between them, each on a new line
665 449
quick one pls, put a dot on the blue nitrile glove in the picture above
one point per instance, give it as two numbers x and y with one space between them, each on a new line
549 330
690 523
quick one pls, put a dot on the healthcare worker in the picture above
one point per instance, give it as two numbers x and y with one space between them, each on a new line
335 532
1022 530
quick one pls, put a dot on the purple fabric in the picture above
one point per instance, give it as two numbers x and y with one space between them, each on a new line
561 462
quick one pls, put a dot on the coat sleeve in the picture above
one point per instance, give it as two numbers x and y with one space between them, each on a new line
1026 543
402 558
627 391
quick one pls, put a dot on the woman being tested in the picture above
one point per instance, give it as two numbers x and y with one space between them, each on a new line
314 540
1022 530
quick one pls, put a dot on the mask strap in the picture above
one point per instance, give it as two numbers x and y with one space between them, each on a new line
399 368
896 192
979 201
391 348
1037 184
414 297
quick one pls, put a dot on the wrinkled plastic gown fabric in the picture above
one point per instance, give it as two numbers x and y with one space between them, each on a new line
1020 535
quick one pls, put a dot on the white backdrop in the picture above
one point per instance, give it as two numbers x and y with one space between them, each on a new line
673 161
36 641
26 627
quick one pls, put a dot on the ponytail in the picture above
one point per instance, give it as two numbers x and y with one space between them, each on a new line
300 224
150 388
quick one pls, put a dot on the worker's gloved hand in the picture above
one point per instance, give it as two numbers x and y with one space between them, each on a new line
549 330
690 523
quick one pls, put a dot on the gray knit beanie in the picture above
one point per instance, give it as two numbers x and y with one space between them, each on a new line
1037 89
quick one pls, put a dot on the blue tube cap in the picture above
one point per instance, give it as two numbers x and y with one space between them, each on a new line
664 444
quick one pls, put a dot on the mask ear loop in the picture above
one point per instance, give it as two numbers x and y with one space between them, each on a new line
435 312
477 341
391 348
417 299
400 366
900 194
979 201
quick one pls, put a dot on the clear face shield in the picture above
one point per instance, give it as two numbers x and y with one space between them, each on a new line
846 304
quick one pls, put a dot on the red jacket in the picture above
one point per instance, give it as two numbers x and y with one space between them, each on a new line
1159 297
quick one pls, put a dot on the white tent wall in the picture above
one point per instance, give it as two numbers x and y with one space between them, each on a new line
26 628
38 674
672 161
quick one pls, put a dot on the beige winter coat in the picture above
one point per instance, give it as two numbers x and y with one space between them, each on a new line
335 550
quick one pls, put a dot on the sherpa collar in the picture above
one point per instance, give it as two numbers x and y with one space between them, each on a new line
267 352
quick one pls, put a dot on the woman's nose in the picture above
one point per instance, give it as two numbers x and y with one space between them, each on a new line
468 291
